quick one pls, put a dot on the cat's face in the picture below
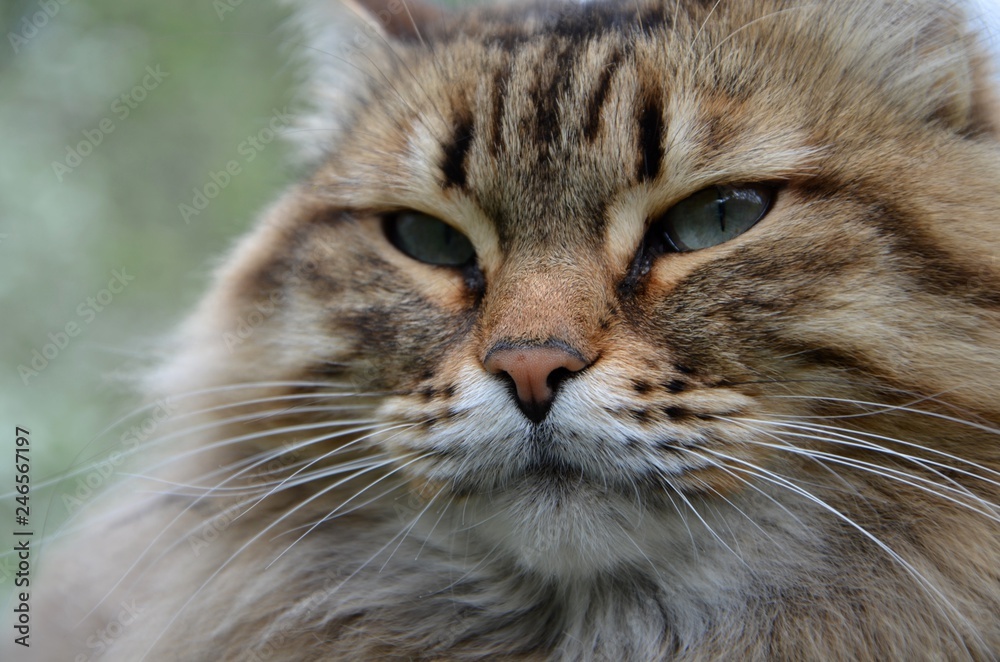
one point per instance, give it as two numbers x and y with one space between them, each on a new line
599 273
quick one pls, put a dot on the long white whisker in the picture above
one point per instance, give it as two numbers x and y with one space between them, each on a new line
846 432
694 510
782 481
226 492
639 549
702 27
162 439
258 435
357 466
905 478
887 472
430 533
353 509
326 455
884 408
319 494
338 508
169 525
86 462
412 524
749 483
729 501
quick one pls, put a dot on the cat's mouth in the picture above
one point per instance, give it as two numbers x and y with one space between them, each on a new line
555 470
585 445
550 464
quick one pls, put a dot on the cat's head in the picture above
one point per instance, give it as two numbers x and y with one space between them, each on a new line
596 272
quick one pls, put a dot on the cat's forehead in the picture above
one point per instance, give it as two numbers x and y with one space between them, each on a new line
547 121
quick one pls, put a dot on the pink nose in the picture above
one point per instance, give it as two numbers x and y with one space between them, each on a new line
535 371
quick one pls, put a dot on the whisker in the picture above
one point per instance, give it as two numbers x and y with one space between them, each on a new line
883 471
906 478
707 526
783 481
843 432
639 549
748 24
842 439
412 524
200 490
732 505
702 27
255 538
186 535
355 508
326 455
304 427
335 510
749 483
884 408
249 437
88 461
430 533
680 514
170 524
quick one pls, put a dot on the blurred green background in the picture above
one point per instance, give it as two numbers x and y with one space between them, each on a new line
221 71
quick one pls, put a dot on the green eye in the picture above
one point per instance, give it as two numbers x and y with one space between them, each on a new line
428 239
715 215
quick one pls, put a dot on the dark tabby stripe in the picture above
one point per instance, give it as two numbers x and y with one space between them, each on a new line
650 137
457 151
547 96
501 81
592 124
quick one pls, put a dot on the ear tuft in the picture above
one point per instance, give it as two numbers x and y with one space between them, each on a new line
945 73
341 46
401 19
984 113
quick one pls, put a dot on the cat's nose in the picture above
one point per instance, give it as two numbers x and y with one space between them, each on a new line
536 372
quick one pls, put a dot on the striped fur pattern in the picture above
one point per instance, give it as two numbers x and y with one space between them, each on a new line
782 447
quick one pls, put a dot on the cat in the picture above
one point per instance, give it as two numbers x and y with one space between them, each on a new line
646 330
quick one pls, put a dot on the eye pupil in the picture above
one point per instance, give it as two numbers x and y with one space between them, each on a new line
428 239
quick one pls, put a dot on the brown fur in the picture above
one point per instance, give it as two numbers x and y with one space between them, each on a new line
682 500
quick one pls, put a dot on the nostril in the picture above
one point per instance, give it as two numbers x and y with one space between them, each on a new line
536 371
557 376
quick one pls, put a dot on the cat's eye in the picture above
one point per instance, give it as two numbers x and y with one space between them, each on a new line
714 216
428 239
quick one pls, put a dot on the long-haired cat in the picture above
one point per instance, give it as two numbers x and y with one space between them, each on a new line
638 330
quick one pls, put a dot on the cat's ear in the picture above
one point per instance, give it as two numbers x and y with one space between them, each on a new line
339 47
984 107
399 19
946 74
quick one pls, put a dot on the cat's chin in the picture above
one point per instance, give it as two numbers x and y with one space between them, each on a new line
571 529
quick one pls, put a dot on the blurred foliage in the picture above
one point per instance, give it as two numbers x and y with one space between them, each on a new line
63 233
